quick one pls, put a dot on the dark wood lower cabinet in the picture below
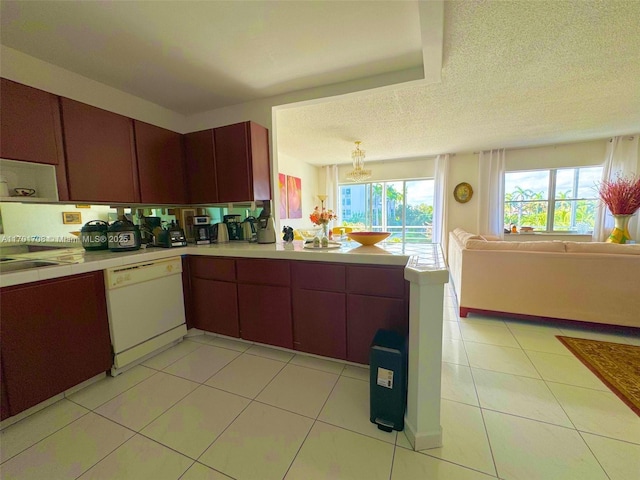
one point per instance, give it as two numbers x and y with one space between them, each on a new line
320 323
4 400
365 316
324 308
265 314
215 306
55 335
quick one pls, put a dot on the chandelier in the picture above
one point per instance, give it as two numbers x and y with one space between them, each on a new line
359 173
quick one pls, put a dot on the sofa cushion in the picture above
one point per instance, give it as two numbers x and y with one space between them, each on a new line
602 247
553 246
464 236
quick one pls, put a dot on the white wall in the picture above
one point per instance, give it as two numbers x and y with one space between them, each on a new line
463 168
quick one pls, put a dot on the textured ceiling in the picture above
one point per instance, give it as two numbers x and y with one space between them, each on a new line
197 56
514 74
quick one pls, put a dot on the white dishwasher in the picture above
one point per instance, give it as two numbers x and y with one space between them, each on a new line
146 309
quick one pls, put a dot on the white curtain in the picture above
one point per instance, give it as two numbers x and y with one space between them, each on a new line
331 187
440 201
491 192
621 159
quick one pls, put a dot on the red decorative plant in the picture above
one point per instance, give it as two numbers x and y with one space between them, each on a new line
322 217
621 195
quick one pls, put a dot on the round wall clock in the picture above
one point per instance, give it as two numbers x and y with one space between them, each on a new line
463 192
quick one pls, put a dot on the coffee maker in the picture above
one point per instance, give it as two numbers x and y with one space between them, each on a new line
266 230
201 229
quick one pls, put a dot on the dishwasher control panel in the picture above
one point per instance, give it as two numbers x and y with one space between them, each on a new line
141 272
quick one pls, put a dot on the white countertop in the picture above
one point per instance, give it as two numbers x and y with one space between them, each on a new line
425 262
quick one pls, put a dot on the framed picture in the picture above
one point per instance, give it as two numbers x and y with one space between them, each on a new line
71 217
282 188
294 197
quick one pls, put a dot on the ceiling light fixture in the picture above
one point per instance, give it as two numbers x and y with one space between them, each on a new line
359 173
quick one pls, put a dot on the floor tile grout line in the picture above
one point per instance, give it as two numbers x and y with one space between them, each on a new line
155 372
484 422
609 437
176 360
315 420
594 454
88 411
358 433
467 467
220 435
245 408
393 456
100 460
552 393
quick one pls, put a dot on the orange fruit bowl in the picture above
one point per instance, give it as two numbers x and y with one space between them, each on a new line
368 238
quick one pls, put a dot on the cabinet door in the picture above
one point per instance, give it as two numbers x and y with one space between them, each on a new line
30 120
215 306
365 316
263 271
4 400
201 167
100 153
265 314
160 165
319 323
242 162
55 335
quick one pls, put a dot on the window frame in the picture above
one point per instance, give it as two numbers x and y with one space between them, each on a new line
552 196
369 193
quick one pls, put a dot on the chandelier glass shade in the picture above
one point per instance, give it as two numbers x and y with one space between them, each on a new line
359 173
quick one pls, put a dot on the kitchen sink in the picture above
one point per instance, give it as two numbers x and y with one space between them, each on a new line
25 265
20 249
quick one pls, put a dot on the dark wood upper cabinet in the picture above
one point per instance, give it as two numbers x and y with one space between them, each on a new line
30 124
160 165
100 154
201 167
242 162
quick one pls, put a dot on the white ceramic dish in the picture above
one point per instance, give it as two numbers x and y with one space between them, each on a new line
329 247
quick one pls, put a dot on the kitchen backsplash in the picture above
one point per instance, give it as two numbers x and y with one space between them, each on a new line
35 222
20 222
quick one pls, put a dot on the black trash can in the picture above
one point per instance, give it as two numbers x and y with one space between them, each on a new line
388 380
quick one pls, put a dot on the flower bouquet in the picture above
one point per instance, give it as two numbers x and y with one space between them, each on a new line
322 217
622 198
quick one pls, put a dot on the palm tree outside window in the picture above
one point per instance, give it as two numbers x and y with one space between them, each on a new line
554 200
403 207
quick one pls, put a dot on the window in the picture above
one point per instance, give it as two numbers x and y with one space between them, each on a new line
556 200
404 208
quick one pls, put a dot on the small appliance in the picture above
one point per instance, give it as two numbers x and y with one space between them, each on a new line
222 234
93 235
201 229
123 235
266 232
171 237
233 226
249 229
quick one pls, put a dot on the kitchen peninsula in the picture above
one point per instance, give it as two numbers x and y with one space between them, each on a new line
355 282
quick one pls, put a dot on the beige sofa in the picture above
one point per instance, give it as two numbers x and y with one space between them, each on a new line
589 282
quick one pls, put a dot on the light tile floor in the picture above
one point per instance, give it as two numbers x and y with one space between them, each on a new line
516 405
